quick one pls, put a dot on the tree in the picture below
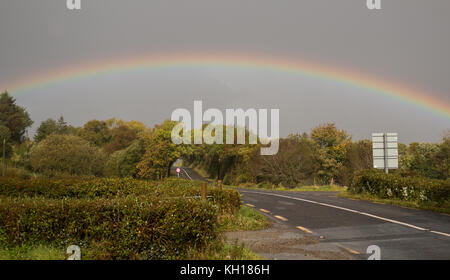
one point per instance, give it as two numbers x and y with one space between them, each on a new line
96 132
421 159
359 155
14 117
51 126
121 137
327 135
331 150
66 154
227 162
293 165
21 154
161 152
136 125
442 159
123 163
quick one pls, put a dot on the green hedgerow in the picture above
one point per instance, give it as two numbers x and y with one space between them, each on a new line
417 189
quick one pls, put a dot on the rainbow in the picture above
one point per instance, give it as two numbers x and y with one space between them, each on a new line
398 92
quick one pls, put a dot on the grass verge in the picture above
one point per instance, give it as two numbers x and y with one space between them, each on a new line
402 203
40 252
245 219
223 250
325 188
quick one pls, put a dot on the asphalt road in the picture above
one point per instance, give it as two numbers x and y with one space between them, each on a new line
188 173
400 233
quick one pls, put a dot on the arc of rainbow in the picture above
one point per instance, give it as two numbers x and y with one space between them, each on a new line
401 93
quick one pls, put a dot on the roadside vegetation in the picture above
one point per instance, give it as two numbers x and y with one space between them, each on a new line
105 185
321 188
119 219
407 191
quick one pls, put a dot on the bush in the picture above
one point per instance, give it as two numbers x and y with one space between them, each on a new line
66 154
417 189
123 163
133 227
112 218
227 200
19 172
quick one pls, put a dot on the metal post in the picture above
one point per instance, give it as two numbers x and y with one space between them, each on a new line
386 168
3 160
203 191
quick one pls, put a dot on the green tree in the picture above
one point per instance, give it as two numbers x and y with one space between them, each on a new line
21 155
359 155
14 117
293 165
442 159
51 126
161 152
123 163
228 162
121 137
421 159
331 150
66 154
96 132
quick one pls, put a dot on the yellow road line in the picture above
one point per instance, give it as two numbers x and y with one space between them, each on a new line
250 205
281 218
351 251
264 210
304 229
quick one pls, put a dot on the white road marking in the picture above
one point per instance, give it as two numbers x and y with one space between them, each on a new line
441 233
353 211
186 173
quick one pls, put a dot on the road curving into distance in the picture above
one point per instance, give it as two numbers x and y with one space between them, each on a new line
400 233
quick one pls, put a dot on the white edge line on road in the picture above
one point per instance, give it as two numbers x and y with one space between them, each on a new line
190 178
441 233
353 211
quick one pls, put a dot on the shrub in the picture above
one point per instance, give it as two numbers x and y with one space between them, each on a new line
417 189
227 200
123 163
66 154
133 227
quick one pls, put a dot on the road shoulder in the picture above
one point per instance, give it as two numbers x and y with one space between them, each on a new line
281 242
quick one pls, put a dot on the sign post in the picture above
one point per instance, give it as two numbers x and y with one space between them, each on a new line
385 151
178 170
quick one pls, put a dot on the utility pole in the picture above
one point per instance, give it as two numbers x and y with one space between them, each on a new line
3 160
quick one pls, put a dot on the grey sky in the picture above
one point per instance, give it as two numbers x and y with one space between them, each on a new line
407 42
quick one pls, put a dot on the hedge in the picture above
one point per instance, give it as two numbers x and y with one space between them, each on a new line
417 189
124 228
227 200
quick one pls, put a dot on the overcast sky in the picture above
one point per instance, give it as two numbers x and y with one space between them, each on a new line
407 42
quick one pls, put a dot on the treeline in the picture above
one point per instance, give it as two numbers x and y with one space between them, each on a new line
117 148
